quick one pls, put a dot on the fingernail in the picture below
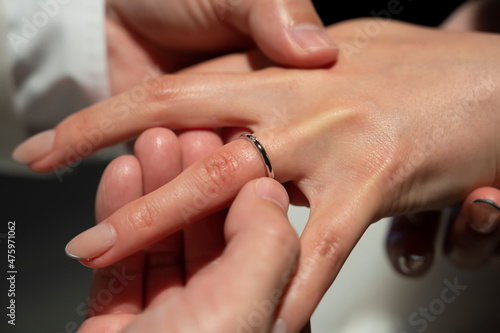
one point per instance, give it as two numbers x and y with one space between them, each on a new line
310 36
35 147
267 189
91 243
486 215
279 326
411 264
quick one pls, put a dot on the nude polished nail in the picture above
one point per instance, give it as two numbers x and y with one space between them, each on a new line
309 36
92 243
486 216
34 148
411 264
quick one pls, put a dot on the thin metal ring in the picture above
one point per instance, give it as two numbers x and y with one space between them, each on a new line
262 152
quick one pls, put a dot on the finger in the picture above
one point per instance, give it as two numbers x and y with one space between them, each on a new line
171 101
474 236
206 187
289 32
410 242
159 154
109 323
334 227
203 240
118 288
297 198
261 246
236 63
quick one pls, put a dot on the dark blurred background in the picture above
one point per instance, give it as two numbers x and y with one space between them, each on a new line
425 12
48 213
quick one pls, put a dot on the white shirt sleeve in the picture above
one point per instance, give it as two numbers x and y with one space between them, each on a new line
58 49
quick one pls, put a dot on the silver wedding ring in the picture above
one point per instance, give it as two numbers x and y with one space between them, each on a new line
262 152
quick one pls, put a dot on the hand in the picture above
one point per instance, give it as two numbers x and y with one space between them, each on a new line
472 238
394 127
411 240
176 33
192 281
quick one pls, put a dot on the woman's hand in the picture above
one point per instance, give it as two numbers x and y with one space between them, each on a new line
412 239
192 281
174 34
407 120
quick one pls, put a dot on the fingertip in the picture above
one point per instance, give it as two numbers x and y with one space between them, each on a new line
120 183
92 243
263 201
34 148
292 34
481 210
410 243
198 143
271 190
473 236
315 42
303 46
154 140
159 154
486 216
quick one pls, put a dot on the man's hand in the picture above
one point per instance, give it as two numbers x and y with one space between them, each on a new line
176 33
192 281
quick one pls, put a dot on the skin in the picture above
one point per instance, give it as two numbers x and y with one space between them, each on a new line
201 29
405 123
415 236
189 274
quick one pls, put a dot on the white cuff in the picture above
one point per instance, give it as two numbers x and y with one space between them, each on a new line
59 56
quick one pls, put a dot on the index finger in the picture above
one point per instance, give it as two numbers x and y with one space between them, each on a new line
206 187
171 101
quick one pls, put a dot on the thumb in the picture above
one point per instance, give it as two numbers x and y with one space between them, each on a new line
289 32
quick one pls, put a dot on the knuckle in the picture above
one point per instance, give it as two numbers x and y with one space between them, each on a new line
144 215
327 254
167 88
218 172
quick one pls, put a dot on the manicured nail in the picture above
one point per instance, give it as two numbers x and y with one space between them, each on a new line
310 36
279 326
91 243
34 148
267 189
485 216
411 264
